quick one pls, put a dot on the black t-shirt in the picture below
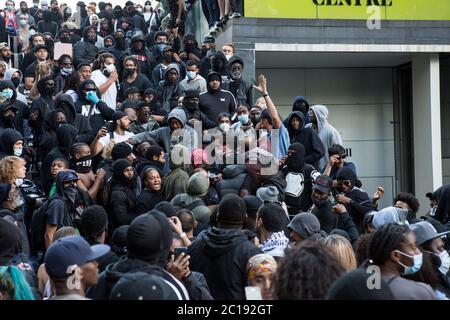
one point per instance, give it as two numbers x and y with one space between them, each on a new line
57 214
141 82
30 72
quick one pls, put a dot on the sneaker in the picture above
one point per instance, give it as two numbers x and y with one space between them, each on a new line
235 15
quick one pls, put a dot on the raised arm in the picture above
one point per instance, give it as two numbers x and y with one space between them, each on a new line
262 88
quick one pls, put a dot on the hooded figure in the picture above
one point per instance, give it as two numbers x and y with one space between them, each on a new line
93 109
85 50
299 178
443 207
17 81
47 25
177 180
43 105
169 90
215 101
219 64
166 137
222 253
326 132
148 238
123 199
66 136
389 215
360 203
23 111
119 47
141 53
197 187
314 149
191 48
8 138
192 110
307 226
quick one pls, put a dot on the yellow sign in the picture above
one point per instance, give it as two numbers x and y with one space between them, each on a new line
349 9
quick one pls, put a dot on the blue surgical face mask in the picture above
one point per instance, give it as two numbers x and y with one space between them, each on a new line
161 46
243 118
8 93
66 71
417 263
191 75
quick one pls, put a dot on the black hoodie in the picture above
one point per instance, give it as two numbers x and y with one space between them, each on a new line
222 256
84 51
146 61
66 137
8 138
47 25
443 209
23 111
96 115
42 106
122 201
314 149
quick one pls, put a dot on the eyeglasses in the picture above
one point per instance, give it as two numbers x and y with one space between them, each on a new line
67 64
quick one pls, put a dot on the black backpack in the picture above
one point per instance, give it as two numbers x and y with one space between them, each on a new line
37 227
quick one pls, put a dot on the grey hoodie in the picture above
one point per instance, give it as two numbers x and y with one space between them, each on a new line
8 75
166 138
326 132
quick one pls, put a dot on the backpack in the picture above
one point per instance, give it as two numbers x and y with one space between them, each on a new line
104 192
37 227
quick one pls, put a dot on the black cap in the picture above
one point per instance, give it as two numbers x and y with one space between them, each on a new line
305 224
40 46
323 183
143 286
209 39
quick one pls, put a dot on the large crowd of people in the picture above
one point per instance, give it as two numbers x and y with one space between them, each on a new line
136 162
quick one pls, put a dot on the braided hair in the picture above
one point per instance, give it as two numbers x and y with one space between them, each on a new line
385 240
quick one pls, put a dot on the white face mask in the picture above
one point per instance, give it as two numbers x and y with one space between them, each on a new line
445 262
18 152
110 68
32 32
228 56
224 127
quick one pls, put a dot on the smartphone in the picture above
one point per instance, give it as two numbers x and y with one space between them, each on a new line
108 125
180 250
253 293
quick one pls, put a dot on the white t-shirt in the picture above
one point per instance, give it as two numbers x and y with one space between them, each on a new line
117 138
109 96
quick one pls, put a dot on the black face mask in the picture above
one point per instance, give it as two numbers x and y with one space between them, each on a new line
65 40
120 43
16 82
169 59
294 164
118 14
204 51
82 165
317 201
128 72
191 105
50 91
71 194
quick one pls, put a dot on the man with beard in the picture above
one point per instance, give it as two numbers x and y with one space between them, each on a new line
90 106
241 90
132 77
118 133
24 11
30 57
42 106
5 53
323 207
86 50
216 100
123 199
65 36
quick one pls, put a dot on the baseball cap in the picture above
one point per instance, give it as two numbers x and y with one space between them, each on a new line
142 286
40 46
69 251
425 231
67 175
209 39
323 183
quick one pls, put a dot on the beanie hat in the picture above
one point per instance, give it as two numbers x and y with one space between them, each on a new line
118 115
197 185
232 211
94 221
167 208
119 240
270 194
121 151
345 173
253 203
144 238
